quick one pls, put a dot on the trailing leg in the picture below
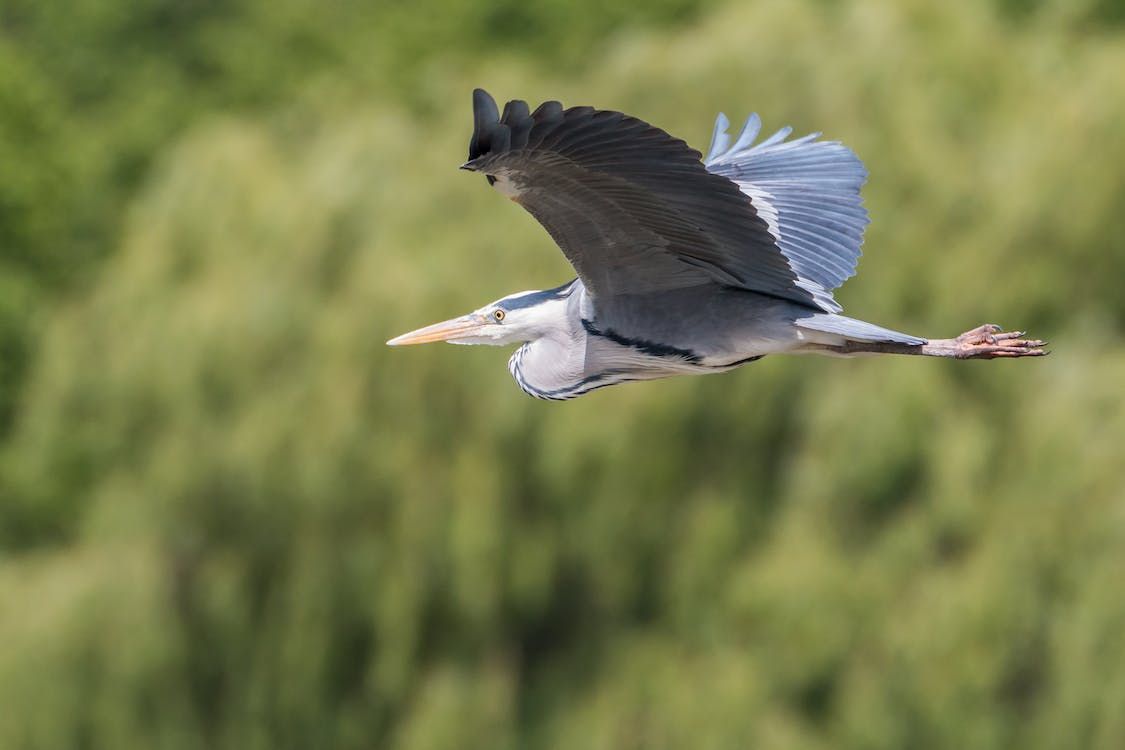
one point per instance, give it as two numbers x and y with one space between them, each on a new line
983 342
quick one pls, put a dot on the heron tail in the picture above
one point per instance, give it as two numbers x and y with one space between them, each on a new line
856 330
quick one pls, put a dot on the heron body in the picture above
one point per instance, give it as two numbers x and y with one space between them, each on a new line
686 265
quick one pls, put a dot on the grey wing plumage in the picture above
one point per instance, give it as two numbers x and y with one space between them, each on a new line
809 193
632 208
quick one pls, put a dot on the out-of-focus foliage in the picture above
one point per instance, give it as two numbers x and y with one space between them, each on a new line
93 90
231 517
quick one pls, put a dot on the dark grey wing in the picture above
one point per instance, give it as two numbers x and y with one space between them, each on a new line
807 191
633 209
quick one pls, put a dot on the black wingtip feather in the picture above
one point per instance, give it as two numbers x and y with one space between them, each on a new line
517 116
515 111
547 111
485 114
494 132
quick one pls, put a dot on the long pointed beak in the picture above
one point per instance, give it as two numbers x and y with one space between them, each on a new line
449 330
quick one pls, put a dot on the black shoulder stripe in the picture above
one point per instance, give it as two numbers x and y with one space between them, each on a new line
650 348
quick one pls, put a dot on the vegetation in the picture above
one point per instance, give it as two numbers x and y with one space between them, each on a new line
230 517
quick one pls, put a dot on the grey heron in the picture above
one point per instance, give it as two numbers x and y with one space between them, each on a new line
685 264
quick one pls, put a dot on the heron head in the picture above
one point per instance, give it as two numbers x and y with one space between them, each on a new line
514 319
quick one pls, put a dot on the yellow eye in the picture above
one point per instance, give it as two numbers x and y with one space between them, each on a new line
498 314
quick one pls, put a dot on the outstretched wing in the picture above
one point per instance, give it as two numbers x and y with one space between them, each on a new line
633 209
806 190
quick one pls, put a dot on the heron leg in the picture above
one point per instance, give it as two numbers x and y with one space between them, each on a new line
983 342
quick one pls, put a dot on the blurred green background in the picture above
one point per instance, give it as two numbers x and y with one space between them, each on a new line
230 517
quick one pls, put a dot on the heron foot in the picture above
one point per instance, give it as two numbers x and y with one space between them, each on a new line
986 342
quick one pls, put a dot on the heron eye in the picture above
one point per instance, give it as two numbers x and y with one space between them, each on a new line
498 314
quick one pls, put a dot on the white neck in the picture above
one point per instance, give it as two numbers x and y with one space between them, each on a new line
553 363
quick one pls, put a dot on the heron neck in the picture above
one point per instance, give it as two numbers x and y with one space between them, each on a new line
552 365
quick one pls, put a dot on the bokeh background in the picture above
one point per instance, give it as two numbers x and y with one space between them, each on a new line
230 517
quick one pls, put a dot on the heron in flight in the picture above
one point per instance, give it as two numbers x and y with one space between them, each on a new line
686 265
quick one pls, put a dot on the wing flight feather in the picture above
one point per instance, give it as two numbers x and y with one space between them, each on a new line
810 188
633 209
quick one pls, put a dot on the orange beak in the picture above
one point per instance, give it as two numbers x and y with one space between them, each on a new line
449 330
